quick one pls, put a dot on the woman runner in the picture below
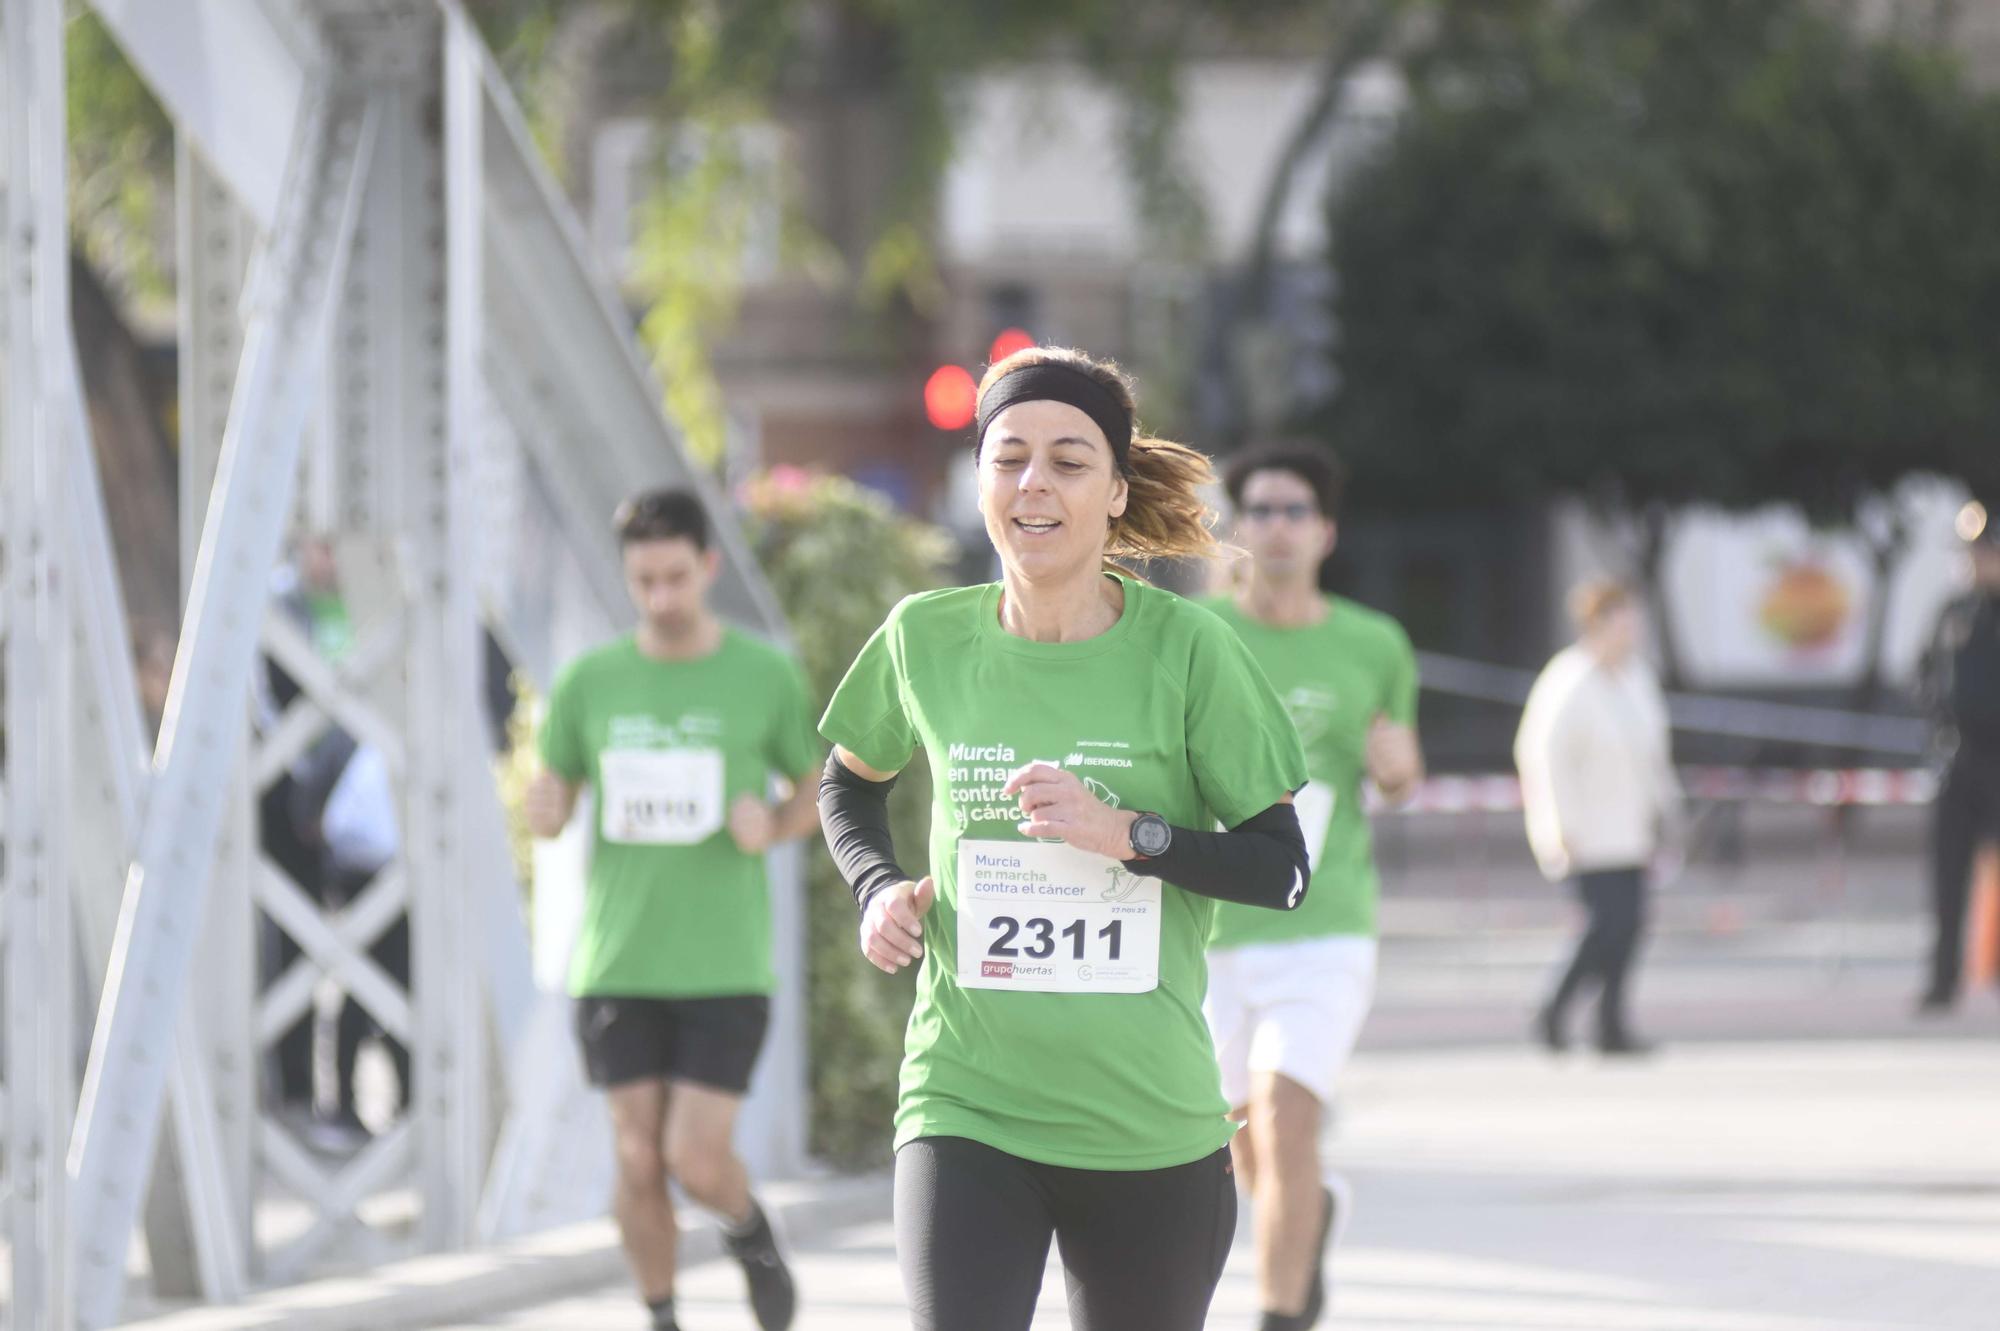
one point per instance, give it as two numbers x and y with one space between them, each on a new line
1082 727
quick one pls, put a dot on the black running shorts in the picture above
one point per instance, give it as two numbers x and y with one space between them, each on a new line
711 1042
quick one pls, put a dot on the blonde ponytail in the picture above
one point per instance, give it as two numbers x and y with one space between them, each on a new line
1165 516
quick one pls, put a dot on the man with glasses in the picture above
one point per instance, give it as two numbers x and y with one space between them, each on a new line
1287 994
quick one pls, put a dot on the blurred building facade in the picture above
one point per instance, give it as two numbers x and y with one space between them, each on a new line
1039 225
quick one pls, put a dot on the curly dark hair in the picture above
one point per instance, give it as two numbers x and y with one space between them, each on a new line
1312 463
662 515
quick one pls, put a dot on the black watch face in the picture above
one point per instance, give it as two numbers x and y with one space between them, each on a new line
1151 835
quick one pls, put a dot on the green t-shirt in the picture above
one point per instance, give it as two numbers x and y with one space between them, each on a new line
331 628
674 909
1165 711
1335 678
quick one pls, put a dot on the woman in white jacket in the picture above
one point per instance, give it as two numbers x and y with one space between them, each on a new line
1598 785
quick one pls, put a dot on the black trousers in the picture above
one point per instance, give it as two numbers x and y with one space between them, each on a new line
391 951
1965 816
289 1061
1616 900
1141 1250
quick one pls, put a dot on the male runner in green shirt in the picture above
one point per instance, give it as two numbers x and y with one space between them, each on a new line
678 729
1288 991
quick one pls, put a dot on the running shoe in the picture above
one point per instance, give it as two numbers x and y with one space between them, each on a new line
773 1297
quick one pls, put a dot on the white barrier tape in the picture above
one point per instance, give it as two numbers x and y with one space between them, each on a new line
1821 787
1784 722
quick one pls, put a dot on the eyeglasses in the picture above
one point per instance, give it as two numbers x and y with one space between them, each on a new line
1294 512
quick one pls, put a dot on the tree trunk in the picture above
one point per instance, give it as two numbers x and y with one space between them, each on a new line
1365 37
135 458
1884 552
1249 297
1654 522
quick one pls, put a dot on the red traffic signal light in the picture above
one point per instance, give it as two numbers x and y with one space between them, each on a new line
951 398
1010 341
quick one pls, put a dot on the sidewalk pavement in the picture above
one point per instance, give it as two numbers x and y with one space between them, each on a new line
1781 1186
1812 981
434 1291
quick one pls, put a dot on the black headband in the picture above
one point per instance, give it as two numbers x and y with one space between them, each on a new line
1053 381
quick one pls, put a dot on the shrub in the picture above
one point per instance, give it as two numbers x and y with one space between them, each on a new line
839 556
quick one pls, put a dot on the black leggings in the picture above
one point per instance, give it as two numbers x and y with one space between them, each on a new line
1141 1249
1967 813
1616 899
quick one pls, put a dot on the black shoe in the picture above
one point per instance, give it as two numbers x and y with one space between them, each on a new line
1549 1030
773 1297
1936 1002
1283 1322
1623 1045
1329 1219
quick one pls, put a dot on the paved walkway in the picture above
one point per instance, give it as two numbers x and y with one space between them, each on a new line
1831 1186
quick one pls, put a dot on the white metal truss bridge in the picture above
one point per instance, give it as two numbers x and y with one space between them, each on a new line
390 331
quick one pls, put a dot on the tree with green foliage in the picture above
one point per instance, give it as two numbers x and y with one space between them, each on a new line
1669 254
121 162
839 557
904 71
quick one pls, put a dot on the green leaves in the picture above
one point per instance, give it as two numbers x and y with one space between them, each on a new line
121 163
1668 253
839 556
880 86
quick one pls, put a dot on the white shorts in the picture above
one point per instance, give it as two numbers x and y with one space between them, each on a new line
1294 1008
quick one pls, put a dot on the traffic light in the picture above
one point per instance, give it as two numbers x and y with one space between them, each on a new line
951 394
951 397
1007 343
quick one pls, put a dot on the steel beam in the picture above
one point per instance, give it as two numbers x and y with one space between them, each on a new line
39 944
215 241
233 77
338 1197
579 521
582 336
565 370
469 267
773 1127
165 892
554 1163
228 73
444 659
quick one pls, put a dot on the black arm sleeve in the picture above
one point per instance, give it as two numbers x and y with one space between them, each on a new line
854 815
1261 862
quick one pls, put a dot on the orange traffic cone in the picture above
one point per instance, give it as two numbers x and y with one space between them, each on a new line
1982 934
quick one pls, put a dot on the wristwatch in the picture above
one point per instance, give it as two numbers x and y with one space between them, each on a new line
1151 835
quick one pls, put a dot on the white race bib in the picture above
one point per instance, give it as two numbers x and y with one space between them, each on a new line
1055 919
661 797
1314 806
